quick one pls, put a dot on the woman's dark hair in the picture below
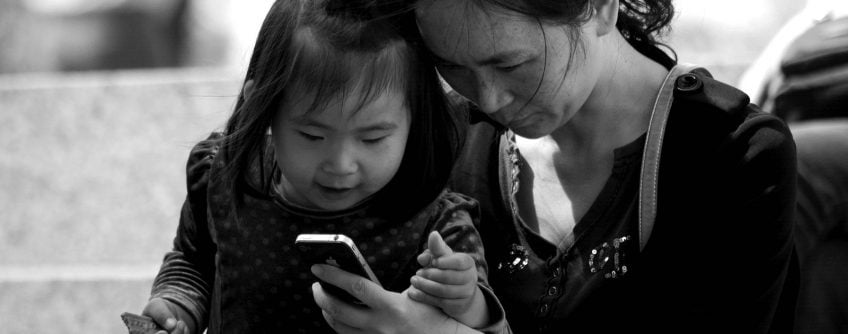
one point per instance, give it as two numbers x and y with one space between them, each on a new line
639 21
326 48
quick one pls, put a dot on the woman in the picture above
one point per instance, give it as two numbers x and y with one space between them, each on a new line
563 92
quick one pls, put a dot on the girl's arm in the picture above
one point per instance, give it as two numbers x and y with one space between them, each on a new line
187 273
457 223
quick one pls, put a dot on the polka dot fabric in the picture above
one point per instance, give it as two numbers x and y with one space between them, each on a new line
261 286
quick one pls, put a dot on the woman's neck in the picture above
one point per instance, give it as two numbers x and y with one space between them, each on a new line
619 107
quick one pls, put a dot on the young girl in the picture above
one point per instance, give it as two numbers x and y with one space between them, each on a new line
361 143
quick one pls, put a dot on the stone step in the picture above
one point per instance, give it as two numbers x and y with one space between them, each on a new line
70 306
92 169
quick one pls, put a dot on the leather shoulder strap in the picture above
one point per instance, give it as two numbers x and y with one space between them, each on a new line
651 155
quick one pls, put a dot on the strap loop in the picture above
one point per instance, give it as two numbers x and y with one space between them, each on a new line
651 155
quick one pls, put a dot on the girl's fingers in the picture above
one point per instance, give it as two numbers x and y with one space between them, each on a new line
437 245
158 310
423 297
439 290
448 277
455 261
424 258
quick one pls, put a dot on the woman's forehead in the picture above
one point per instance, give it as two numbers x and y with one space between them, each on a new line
464 28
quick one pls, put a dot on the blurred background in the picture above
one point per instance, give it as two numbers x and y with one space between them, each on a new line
100 102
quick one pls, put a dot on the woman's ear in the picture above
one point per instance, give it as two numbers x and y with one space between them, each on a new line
606 15
247 89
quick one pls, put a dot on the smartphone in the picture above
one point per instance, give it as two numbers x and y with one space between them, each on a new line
337 250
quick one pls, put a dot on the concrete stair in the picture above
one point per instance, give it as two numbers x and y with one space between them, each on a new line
92 177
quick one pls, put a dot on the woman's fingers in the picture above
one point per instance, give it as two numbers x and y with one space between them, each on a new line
363 289
339 327
339 311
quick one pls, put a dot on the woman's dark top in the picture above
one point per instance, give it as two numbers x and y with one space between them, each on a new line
720 258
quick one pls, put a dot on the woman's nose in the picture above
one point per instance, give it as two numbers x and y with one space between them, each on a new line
490 96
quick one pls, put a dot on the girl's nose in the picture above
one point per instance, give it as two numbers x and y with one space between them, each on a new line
340 160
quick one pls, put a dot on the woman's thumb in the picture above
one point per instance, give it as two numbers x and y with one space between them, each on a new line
437 245
158 310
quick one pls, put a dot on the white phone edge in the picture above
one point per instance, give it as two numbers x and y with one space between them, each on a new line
342 239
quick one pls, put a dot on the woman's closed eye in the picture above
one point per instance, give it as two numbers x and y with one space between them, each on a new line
510 68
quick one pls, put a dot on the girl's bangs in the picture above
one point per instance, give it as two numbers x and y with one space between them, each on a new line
322 72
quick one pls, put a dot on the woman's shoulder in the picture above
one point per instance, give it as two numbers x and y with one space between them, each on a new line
699 95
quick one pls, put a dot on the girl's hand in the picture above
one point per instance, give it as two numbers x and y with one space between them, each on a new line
169 316
449 282
386 311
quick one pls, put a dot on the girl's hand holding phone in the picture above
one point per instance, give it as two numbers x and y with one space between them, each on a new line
449 281
169 316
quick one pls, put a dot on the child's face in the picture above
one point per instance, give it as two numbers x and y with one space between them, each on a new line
333 158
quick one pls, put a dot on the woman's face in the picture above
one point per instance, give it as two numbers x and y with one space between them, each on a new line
512 66
333 158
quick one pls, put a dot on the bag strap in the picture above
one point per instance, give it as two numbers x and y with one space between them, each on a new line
651 155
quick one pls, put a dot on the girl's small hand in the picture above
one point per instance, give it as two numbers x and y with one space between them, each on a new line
447 281
169 316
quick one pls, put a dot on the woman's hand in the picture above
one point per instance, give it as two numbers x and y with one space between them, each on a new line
169 316
387 312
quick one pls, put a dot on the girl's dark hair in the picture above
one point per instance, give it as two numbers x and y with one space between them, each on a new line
325 48
639 21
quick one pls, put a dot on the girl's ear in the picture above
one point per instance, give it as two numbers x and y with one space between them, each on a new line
247 89
606 15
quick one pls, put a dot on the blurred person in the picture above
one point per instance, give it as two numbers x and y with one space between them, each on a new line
802 77
816 35
821 231
361 143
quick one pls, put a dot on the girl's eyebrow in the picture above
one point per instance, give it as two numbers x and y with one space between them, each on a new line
379 126
304 120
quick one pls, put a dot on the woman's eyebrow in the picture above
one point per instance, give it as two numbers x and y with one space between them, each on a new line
502 57
497 58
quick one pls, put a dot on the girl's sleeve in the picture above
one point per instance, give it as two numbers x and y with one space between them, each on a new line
457 223
188 271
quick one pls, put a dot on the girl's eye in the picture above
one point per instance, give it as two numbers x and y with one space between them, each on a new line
309 136
374 140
